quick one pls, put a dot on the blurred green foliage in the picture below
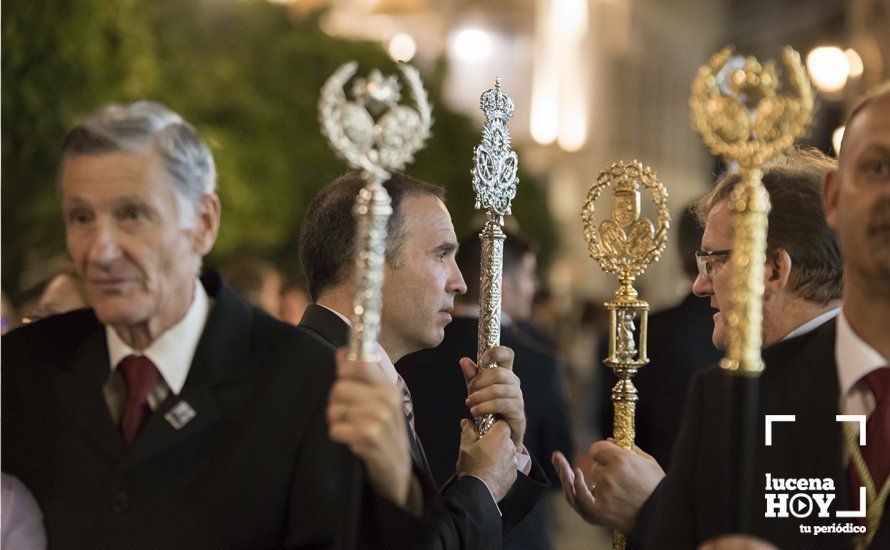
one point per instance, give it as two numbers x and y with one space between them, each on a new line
244 72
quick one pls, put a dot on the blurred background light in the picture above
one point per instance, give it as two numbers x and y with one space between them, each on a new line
829 68
402 47
836 137
559 107
855 61
471 45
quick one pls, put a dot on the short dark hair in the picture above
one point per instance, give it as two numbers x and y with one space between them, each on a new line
469 259
796 221
689 234
327 238
246 276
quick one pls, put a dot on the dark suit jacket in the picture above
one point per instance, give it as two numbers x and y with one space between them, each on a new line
439 388
679 346
253 469
463 514
800 378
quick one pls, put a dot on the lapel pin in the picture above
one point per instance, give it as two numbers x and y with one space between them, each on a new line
180 415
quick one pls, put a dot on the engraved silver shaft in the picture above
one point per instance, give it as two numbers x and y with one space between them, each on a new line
491 275
371 211
495 182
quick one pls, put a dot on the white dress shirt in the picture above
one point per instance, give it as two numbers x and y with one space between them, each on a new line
172 353
22 520
813 323
855 359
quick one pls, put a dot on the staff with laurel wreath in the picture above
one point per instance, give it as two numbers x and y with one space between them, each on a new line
741 116
371 132
494 181
625 245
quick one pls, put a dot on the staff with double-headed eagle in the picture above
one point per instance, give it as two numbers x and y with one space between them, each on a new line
376 135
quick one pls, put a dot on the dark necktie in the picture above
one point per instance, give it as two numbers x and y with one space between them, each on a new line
877 434
141 376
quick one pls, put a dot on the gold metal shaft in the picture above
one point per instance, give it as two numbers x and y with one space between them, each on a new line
624 245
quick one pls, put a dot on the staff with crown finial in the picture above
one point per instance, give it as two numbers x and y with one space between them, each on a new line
494 181
737 109
372 132
625 245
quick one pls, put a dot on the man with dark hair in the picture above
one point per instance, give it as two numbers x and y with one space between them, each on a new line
839 367
488 496
171 414
441 390
803 278
256 281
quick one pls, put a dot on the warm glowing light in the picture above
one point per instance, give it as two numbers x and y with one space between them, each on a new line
545 117
836 137
572 136
471 45
856 66
402 47
559 85
829 68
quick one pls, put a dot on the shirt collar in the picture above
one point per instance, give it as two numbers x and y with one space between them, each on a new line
813 323
855 358
385 362
172 352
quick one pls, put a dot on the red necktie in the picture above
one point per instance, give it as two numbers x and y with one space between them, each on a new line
877 434
141 376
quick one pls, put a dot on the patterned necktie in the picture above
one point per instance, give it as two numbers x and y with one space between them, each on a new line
407 405
877 434
141 376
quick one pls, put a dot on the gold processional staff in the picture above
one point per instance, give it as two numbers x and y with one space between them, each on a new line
372 132
494 181
625 245
741 116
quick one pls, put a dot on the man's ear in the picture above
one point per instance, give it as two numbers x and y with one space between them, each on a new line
831 190
778 272
206 229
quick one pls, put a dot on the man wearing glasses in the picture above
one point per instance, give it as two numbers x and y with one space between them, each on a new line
802 290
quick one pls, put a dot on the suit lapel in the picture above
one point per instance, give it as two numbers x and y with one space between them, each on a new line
327 324
78 390
423 462
222 362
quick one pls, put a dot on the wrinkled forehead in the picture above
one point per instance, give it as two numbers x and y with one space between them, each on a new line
104 174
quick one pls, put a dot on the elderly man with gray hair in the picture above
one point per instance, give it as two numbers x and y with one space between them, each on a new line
170 414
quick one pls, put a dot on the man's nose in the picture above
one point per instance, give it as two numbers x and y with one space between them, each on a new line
456 283
105 247
702 286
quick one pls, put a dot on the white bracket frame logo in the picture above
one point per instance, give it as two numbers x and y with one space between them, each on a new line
860 418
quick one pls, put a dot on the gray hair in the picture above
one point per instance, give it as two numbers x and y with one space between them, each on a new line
147 125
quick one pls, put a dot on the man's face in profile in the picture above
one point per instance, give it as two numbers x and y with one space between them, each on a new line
857 196
418 294
718 236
